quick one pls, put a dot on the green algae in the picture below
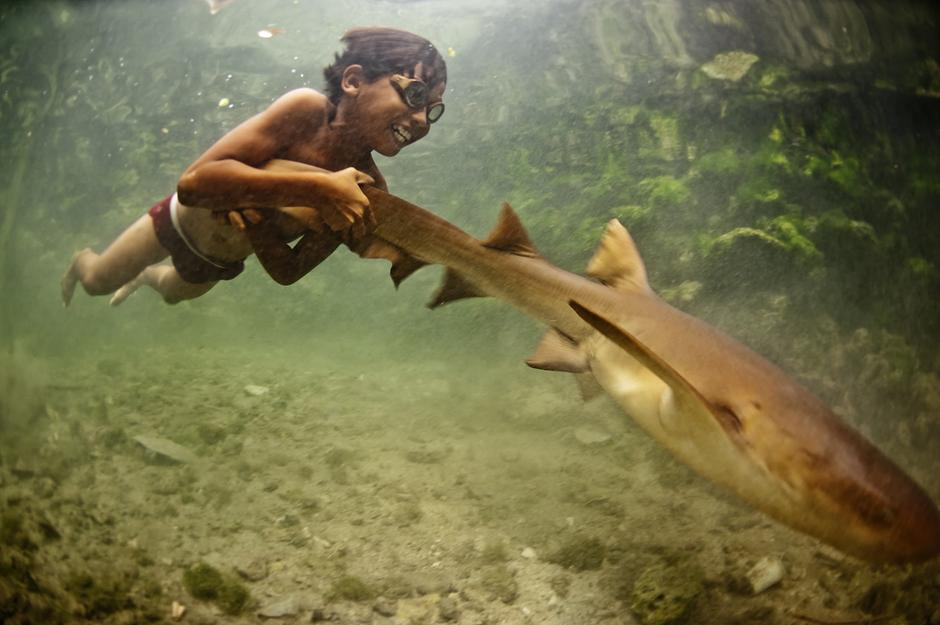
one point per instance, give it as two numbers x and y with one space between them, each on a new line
352 588
500 583
494 552
100 595
665 594
581 553
205 582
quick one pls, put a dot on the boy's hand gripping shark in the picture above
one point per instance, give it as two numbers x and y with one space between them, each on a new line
719 407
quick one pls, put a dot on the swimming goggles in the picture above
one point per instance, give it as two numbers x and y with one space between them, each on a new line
415 94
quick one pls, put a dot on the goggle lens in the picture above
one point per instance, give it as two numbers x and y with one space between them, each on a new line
416 94
435 111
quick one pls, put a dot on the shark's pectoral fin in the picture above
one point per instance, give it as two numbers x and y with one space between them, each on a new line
509 235
371 246
557 352
617 262
685 400
452 289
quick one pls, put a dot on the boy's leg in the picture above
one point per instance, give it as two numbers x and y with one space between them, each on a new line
100 274
165 280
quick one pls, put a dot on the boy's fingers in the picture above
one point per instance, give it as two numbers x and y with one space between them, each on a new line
254 217
365 212
363 178
235 218
355 219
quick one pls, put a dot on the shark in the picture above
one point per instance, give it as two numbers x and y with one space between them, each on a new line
725 411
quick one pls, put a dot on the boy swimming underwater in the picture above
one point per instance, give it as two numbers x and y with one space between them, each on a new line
383 93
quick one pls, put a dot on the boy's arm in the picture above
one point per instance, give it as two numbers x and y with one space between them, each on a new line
228 176
286 264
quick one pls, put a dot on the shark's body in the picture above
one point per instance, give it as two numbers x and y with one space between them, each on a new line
721 408
718 406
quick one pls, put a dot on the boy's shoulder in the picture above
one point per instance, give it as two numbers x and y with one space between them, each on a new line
306 95
304 101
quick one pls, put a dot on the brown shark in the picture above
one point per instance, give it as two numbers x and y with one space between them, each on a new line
721 408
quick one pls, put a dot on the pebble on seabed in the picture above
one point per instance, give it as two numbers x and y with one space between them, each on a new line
767 572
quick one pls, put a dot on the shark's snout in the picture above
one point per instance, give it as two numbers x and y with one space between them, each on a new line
872 508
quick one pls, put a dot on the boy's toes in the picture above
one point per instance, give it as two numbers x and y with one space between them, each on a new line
68 282
68 288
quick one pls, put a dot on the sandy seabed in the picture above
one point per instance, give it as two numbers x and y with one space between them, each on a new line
383 492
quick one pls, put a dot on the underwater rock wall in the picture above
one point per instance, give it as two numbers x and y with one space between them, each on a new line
805 34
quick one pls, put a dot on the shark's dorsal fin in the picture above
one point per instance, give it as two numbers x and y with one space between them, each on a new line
452 289
557 352
617 262
509 235
686 396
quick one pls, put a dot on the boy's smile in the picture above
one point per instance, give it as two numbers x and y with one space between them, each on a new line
402 135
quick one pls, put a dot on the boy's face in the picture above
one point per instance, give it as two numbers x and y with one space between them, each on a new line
386 120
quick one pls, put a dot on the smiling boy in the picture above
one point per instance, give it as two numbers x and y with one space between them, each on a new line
383 93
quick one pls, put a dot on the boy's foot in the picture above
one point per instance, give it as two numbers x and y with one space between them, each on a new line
69 280
125 291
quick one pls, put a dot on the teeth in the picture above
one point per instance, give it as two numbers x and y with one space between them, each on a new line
402 135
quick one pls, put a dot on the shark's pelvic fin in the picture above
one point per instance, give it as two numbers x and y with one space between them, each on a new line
686 397
617 262
588 385
452 289
556 352
509 235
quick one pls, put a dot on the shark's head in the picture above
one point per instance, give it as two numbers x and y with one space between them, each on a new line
753 429
835 484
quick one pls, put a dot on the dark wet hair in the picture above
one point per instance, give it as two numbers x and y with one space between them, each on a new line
381 52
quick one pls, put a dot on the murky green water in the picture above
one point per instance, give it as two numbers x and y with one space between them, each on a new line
776 164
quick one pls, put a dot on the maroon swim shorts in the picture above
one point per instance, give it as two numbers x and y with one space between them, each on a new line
191 267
